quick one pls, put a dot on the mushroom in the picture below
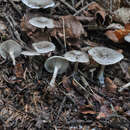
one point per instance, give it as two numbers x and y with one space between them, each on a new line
76 56
36 4
56 65
30 53
42 22
104 56
127 38
10 48
44 47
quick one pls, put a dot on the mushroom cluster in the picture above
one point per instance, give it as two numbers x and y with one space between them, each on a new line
59 64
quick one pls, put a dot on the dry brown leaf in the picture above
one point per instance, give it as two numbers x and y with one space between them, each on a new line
25 25
72 27
113 4
110 85
117 35
96 11
66 83
88 112
122 15
39 36
93 6
86 109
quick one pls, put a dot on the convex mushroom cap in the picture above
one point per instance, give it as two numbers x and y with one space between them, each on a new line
56 60
56 65
43 47
10 48
127 38
76 56
36 4
42 22
105 56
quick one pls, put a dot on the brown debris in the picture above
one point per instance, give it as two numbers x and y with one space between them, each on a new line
73 28
110 85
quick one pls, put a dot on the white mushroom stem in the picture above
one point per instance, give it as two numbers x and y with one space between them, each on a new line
101 75
12 57
56 69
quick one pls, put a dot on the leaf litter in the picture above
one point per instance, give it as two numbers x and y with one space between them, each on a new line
78 100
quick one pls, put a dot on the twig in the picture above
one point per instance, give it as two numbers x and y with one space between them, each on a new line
82 9
64 33
15 7
124 87
68 5
60 109
14 32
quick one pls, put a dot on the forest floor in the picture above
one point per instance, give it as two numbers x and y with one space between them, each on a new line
78 102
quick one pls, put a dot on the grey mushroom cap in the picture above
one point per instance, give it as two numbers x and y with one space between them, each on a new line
30 53
42 22
43 47
55 60
105 56
10 46
77 56
36 4
127 38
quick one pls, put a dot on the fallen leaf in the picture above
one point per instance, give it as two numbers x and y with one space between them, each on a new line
110 85
88 112
69 25
25 25
117 35
122 15
96 11
111 4
39 36
86 109
66 83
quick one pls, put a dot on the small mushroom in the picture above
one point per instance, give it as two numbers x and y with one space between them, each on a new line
127 38
77 57
10 48
42 22
43 47
36 4
56 65
104 56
